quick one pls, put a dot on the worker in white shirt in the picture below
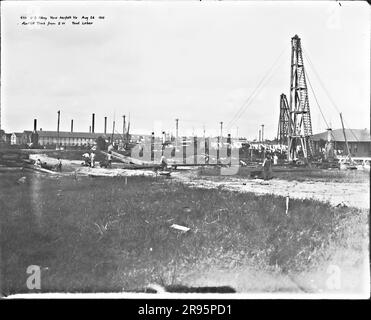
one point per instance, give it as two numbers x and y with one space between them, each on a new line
275 159
92 159
163 162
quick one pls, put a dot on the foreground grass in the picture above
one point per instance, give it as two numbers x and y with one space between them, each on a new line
99 234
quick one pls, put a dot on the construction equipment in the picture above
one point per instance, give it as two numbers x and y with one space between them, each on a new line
300 132
284 121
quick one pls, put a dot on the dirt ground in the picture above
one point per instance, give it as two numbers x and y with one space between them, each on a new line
337 193
351 194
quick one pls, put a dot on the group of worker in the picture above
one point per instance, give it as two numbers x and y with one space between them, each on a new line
89 159
44 165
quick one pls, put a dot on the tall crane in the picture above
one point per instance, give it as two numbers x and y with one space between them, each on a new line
300 132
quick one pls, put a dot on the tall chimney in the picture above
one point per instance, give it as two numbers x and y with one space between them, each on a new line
59 119
124 124
89 129
177 127
92 122
71 125
262 132
105 125
260 136
34 125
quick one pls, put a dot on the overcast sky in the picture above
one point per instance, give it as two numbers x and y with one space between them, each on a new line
196 61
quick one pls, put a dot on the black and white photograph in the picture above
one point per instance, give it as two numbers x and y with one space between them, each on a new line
185 149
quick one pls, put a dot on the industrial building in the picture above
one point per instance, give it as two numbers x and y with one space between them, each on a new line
359 141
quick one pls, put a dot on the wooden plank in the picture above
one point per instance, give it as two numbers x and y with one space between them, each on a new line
41 169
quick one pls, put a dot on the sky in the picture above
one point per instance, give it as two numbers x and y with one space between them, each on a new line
200 62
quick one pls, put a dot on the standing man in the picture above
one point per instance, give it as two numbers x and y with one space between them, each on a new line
59 165
92 159
267 168
275 159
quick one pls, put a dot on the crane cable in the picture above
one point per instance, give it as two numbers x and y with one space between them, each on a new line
248 101
324 88
318 105
315 98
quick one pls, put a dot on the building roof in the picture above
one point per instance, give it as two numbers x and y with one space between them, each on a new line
18 134
68 134
353 135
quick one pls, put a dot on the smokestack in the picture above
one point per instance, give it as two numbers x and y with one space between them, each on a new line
177 127
105 125
92 122
260 136
262 132
152 146
124 125
34 125
72 125
59 118
89 129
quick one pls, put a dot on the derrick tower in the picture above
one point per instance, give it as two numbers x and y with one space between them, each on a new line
283 124
300 132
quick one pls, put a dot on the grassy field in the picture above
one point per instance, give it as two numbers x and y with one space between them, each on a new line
100 234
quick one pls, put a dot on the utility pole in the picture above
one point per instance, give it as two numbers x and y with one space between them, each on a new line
176 131
345 136
123 125
93 123
176 128
59 118
113 130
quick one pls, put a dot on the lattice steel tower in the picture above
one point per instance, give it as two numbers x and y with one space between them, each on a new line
300 132
283 124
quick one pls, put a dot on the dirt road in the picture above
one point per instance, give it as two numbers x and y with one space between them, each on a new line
351 194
